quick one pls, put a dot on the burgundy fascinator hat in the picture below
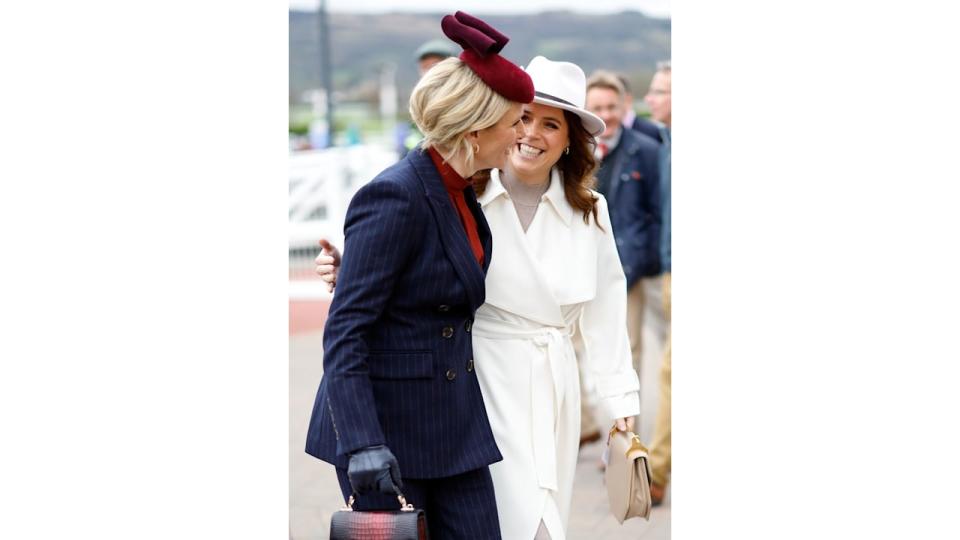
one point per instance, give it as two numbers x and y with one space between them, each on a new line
481 47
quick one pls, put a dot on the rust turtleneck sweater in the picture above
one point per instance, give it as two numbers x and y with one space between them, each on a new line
455 185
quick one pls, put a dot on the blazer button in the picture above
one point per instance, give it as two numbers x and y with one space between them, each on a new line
470 365
468 325
443 308
447 331
451 374
624 177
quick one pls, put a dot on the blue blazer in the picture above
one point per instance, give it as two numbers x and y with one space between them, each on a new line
648 128
634 200
398 358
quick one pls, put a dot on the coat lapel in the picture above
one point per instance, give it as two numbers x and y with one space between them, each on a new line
615 170
627 148
515 280
563 246
483 228
452 235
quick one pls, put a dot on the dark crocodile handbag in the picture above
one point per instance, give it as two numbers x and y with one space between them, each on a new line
407 523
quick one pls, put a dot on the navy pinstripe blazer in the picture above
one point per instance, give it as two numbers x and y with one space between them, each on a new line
398 366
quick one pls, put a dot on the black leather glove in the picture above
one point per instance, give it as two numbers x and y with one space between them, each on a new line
374 469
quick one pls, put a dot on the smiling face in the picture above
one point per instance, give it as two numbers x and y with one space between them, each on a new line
496 141
545 137
608 105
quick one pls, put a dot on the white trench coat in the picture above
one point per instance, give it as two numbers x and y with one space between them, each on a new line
558 284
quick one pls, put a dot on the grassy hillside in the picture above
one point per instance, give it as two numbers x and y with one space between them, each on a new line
629 42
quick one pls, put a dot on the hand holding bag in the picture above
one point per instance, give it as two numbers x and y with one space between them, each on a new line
628 476
407 523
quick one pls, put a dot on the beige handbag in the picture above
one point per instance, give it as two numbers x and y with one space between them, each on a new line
628 477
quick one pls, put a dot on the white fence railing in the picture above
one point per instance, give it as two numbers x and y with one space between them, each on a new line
322 182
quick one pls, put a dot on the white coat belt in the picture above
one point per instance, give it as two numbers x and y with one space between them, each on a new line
547 384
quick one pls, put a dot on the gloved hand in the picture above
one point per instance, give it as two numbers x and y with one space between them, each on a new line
374 469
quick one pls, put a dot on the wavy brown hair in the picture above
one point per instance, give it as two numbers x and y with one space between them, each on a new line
576 169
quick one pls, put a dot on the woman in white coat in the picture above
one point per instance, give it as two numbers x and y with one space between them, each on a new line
555 279
555 297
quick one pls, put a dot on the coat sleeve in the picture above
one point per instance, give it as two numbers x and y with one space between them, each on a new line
638 225
603 328
379 235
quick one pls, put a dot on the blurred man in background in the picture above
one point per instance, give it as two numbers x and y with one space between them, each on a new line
432 52
630 118
658 99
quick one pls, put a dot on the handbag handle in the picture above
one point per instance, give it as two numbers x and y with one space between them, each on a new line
634 439
404 505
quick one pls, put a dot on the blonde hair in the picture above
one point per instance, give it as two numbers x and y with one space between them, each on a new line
450 101
606 79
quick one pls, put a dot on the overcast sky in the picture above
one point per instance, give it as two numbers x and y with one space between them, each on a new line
657 8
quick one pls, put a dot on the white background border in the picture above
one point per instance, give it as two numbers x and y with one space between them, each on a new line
144 283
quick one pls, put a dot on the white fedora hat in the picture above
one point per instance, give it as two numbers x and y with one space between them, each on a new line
564 86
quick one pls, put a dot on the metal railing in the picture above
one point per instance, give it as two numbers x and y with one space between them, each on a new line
322 182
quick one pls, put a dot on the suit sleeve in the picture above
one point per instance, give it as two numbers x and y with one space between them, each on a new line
638 229
603 328
379 235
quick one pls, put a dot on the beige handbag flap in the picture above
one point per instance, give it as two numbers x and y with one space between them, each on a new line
628 477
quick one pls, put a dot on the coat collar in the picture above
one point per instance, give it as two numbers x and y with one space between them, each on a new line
494 189
515 265
452 236
427 171
555 196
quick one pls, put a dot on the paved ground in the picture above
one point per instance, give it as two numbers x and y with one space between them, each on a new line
314 493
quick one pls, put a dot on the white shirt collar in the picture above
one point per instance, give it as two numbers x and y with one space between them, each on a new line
612 142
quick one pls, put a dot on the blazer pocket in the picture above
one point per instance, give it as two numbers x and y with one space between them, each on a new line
401 364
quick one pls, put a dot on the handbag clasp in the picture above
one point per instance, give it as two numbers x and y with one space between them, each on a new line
404 505
635 443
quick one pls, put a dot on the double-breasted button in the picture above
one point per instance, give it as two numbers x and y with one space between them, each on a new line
468 325
470 365
447 331
443 308
451 374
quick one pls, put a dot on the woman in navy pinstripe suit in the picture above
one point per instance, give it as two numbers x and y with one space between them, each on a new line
555 301
400 404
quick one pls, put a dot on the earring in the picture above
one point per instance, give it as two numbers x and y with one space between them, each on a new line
476 148
566 150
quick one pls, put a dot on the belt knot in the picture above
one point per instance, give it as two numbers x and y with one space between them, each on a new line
550 336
